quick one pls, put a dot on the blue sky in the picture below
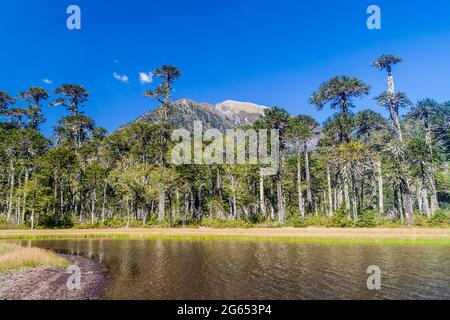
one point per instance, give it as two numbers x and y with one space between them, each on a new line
267 52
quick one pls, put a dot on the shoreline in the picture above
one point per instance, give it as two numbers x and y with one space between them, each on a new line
421 235
49 283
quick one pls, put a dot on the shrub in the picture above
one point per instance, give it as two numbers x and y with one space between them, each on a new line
320 220
441 217
296 222
152 221
420 220
367 219
340 219
4 225
49 221
221 224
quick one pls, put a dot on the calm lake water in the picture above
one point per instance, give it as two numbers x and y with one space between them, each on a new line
238 269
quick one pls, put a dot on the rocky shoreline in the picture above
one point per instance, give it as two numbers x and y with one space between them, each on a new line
50 283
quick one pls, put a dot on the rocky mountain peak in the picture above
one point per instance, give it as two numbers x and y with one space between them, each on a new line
225 115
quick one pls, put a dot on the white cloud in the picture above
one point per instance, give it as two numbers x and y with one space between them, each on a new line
145 78
119 77
46 81
116 61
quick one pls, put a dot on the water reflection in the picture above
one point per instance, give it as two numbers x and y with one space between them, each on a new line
231 269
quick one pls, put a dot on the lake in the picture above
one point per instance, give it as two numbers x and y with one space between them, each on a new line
241 269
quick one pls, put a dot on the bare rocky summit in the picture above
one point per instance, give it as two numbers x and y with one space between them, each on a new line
225 115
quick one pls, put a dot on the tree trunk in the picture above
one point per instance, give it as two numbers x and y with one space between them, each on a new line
192 203
104 202
178 205
11 190
280 201
219 182
94 199
425 204
396 202
262 203
233 205
272 200
128 214
330 197
392 107
162 204
280 198
246 215
24 205
433 191
430 168
407 201
396 121
172 210
344 134
355 206
335 202
390 82
61 198
32 219
404 184
379 175
308 177
346 191
55 191
419 195
301 204
400 202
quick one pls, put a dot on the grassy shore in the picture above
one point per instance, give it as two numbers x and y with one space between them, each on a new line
414 235
14 257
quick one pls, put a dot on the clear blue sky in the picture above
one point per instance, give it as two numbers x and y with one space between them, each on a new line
267 52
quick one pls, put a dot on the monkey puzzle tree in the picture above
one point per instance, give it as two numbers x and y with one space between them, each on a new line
17 116
394 101
5 101
425 111
72 97
390 98
338 93
353 158
34 97
74 131
163 93
385 62
258 125
301 130
296 130
441 126
419 157
371 129
277 119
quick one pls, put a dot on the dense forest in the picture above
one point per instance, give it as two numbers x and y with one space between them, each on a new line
356 169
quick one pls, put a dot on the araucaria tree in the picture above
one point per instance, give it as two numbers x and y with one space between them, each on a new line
34 97
357 169
72 127
431 116
168 75
394 101
339 93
